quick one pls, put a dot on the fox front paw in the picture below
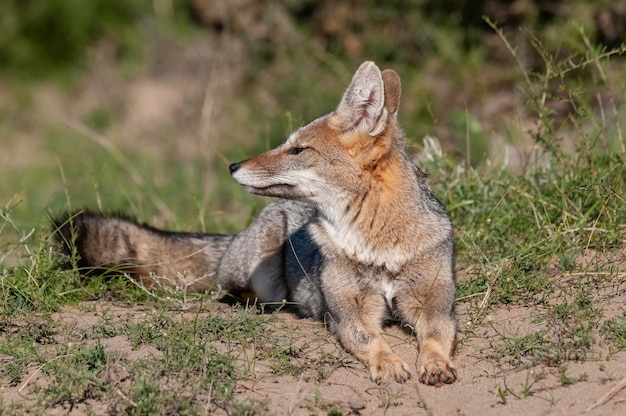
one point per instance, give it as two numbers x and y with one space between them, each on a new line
388 367
436 370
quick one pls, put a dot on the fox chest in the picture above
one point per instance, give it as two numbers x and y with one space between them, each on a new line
376 280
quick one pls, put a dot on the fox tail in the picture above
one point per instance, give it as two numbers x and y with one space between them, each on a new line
117 244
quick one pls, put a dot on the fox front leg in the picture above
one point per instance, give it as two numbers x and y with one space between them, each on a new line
356 317
429 309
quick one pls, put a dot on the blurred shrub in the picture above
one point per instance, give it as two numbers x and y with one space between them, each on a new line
39 38
400 30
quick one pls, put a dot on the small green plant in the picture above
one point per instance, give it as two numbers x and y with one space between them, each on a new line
146 392
529 381
334 411
531 348
566 380
395 399
320 403
614 330
526 388
24 346
567 261
76 375
246 408
502 393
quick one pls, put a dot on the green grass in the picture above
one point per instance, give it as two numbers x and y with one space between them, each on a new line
202 352
615 331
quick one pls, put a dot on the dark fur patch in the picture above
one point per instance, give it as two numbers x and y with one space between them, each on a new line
70 236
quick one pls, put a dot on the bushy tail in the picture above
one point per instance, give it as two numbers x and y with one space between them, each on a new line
102 243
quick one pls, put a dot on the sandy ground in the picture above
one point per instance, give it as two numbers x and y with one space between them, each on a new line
346 385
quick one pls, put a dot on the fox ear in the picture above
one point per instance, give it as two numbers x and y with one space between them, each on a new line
363 104
391 81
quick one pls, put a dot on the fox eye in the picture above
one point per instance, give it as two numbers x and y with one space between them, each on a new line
296 150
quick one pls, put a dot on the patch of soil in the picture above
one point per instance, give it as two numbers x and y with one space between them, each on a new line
325 379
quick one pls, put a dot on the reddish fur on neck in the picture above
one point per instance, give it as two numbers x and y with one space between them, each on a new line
384 183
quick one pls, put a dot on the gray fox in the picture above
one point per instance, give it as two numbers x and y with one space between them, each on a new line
357 236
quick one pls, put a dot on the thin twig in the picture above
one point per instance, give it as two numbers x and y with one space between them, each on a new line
128 399
39 369
602 400
593 229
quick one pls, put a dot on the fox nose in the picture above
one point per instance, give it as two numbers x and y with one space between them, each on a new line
233 167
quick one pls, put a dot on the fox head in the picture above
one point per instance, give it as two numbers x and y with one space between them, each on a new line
337 157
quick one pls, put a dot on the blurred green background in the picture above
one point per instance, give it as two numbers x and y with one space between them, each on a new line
137 106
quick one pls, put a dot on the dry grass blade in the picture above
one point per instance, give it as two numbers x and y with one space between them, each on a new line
608 396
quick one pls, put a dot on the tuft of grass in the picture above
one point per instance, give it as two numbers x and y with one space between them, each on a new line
75 375
247 408
526 389
319 403
566 380
147 396
23 346
42 282
528 234
614 330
